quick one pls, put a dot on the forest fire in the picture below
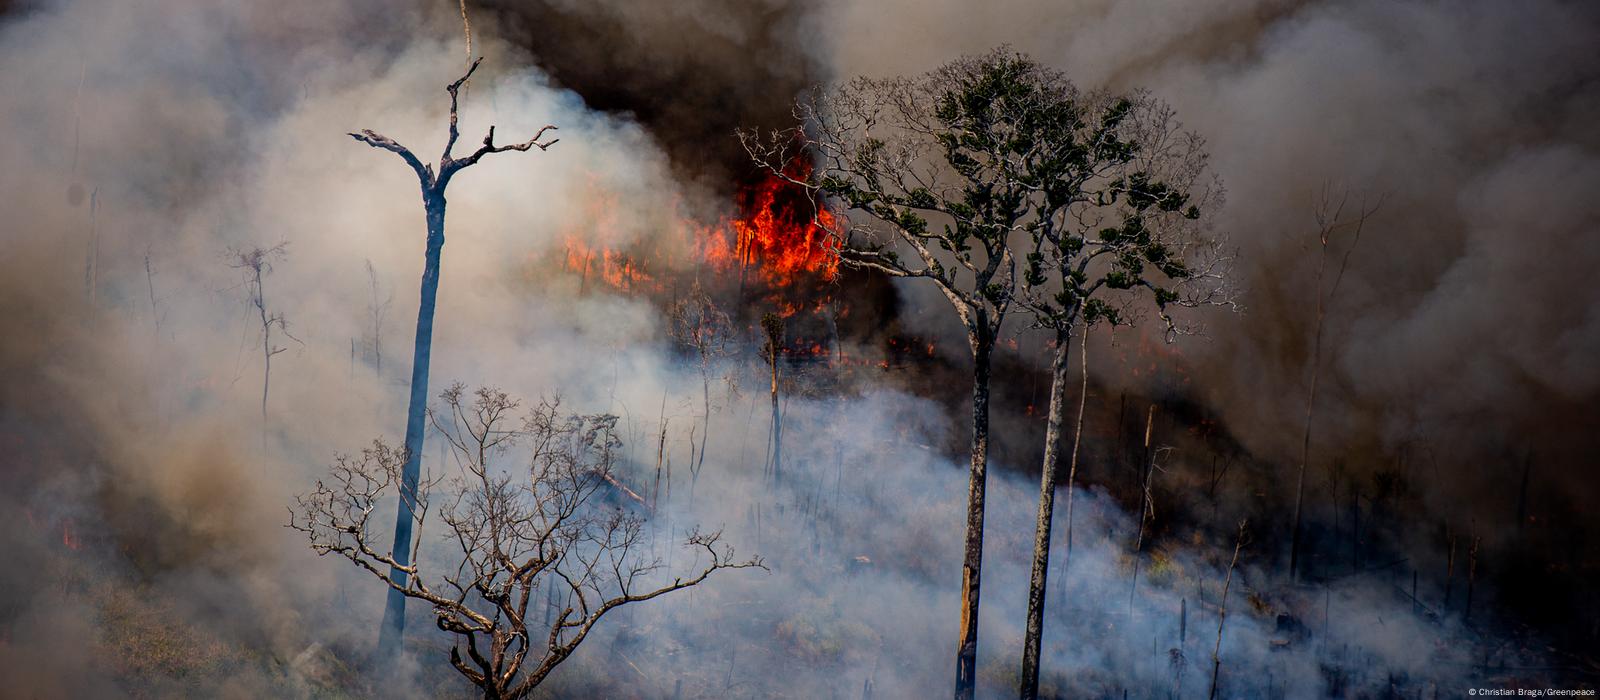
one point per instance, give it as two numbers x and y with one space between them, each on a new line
777 238
781 232
772 338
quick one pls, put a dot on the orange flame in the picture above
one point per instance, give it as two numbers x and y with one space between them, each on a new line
778 237
782 232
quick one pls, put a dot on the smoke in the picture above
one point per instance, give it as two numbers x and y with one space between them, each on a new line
149 140
1467 124
144 489
692 71
1431 111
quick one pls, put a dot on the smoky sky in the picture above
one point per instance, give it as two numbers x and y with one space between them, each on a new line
693 72
1462 316
148 138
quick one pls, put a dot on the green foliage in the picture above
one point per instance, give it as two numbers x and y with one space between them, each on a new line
1096 310
972 160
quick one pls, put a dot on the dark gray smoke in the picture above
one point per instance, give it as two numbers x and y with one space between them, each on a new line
144 492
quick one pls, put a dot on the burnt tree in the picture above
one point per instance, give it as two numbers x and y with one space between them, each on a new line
1330 219
555 529
702 328
256 264
433 204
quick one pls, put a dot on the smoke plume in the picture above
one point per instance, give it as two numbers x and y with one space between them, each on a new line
144 488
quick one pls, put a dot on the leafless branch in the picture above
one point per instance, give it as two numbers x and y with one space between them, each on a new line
449 166
513 532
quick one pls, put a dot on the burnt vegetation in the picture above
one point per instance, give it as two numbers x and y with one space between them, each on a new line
542 551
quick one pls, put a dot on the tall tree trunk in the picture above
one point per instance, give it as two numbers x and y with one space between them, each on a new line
705 397
394 613
1041 534
982 341
1222 612
1321 318
1146 499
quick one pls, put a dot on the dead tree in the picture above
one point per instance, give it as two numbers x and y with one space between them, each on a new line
256 264
377 312
702 328
1147 499
772 350
514 534
1222 609
433 185
1330 219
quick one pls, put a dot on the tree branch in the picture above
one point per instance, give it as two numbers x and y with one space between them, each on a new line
376 140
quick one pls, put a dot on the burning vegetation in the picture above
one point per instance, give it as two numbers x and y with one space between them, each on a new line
896 390
776 239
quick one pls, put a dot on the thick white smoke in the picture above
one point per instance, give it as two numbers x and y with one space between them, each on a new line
146 139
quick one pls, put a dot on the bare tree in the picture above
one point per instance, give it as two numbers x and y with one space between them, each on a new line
377 312
551 531
256 264
704 329
1222 609
1331 219
433 204
772 350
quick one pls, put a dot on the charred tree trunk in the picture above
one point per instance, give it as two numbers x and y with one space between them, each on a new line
1222 611
981 338
394 612
433 184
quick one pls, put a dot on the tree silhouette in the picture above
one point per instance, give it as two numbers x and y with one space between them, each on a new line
433 204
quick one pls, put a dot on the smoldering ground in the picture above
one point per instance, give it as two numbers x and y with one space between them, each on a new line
145 490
